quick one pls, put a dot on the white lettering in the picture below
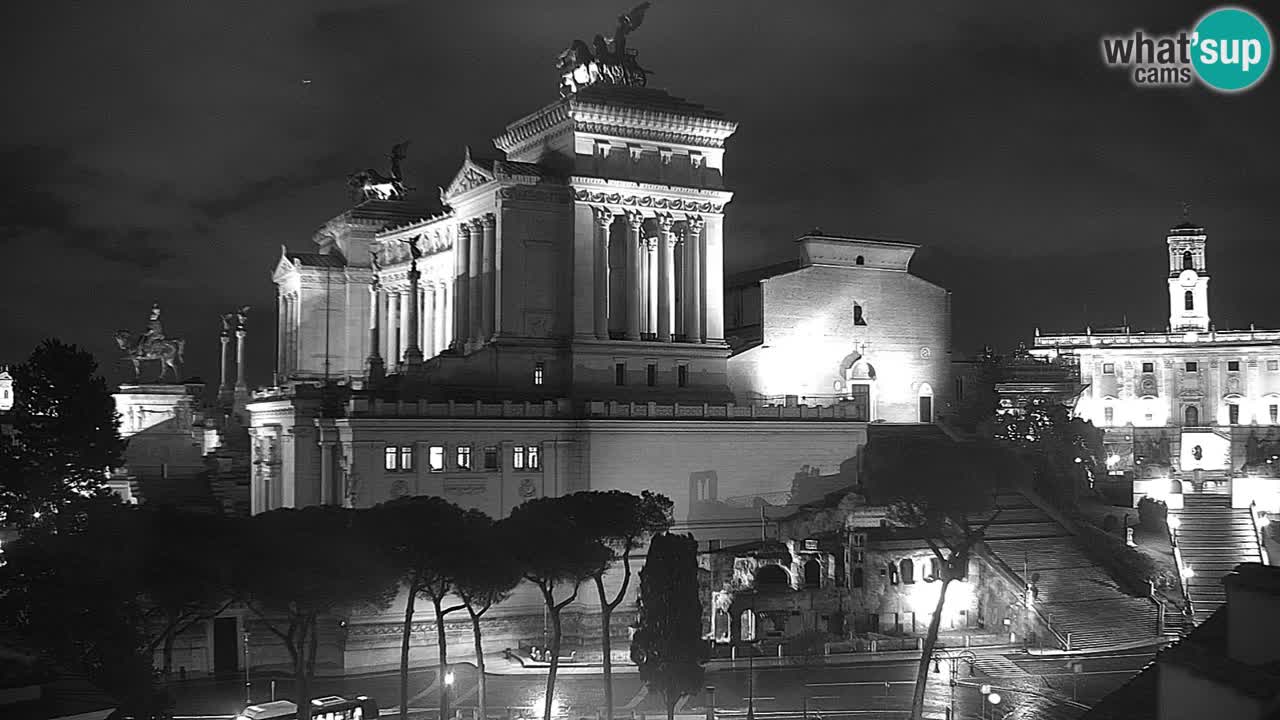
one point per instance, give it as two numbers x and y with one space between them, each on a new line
1252 54
1209 51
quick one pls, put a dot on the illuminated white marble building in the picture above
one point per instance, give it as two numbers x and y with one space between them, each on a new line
1201 401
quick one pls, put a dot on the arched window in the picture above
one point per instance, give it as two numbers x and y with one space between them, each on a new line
1189 300
858 319
772 577
860 260
812 574
1188 261
925 403
747 625
908 570
935 569
1191 416
857 577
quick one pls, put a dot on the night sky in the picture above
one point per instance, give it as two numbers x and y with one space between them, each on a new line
163 151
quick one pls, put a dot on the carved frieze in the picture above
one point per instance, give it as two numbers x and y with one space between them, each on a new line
648 201
651 134
463 489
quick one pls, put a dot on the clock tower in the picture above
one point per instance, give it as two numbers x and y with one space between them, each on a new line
1188 279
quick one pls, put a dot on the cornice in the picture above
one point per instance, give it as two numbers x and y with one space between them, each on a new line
645 196
532 125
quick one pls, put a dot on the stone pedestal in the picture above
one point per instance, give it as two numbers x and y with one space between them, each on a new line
160 422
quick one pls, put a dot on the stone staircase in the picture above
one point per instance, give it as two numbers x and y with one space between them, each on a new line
1213 538
1076 596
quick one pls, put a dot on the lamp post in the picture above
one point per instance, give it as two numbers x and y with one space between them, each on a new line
444 695
247 699
953 661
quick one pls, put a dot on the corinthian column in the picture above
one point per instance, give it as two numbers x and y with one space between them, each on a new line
225 337
604 219
693 326
666 277
412 352
393 326
376 368
651 286
488 286
474 303
241 385
634 221
462 287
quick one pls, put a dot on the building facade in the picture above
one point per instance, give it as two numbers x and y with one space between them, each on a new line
1195 403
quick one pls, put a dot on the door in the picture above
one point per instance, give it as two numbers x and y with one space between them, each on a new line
224 645
926 408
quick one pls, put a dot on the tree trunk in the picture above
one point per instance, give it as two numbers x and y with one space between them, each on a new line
302 684
555 660
444 661
606 646
926 652
311 649
671 706
170 634
406 638
483 710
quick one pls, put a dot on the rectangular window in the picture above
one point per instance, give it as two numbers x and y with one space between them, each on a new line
651 374
1148 367
1233 414
533 457
406 458
959 388
390 457
464 457
857 556
491 458
525 457
620 374
1193 367
538 370
1273 365
713 545
1274 411
1108 368
859 539
517 457
1108 416
435 458
1233 366
682 375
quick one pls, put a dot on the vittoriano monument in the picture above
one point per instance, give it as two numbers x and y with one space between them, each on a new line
369 184
152 345
607 61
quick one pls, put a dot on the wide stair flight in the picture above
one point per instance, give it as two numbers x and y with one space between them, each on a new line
1213 538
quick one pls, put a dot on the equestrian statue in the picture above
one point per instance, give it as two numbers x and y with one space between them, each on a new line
369 184
152 345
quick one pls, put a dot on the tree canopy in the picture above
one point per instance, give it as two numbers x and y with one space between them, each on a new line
668 645
65 434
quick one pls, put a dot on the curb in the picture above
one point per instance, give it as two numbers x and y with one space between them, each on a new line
1156 643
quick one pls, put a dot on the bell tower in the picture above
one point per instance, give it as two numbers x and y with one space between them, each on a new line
1188 279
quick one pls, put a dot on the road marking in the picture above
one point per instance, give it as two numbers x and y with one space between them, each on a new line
824 697
881 683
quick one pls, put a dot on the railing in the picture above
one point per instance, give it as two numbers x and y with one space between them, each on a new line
358 407
1177 561
727 411
1257 532
1064 642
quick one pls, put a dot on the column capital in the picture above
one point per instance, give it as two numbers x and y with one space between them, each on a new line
694 223
604 217
464 227
667 223
488 220
635 219
650 243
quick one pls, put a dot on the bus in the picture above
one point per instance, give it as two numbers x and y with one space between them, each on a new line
332 707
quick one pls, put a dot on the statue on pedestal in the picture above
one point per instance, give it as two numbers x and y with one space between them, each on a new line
152 345
609 63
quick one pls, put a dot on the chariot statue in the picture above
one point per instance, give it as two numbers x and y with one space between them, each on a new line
606 61
369 184
152 345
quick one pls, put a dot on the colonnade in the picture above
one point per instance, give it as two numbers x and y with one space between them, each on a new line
394 310
653 247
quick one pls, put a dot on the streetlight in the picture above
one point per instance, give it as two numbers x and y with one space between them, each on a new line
953 662
247 699
444 695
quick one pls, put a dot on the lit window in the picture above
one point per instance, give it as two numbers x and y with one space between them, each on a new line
406 458
1233 366
1233 414
1148 367
398 458
389 458
1108 368
1193 367
491 458
620 374
533 456
538 369
682 375
435 458
464 457
517 457
651 374
1109 415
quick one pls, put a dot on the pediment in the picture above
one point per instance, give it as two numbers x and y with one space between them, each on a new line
469 177
284 266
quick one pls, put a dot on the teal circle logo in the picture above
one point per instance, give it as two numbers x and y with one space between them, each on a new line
1231 49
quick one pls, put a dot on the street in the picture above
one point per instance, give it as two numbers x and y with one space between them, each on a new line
1028 686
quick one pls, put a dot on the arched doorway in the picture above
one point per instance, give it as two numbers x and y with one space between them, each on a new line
772 577
1191 416
859 385
925 401
812 574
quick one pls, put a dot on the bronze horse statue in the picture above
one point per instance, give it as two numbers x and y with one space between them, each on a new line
168 351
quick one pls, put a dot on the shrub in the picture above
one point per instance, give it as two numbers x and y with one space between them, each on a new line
1129 568
1152 513
1110 523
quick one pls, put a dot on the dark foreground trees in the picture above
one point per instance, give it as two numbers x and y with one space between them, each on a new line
668 645
298 566
490 576
65 435
948 489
